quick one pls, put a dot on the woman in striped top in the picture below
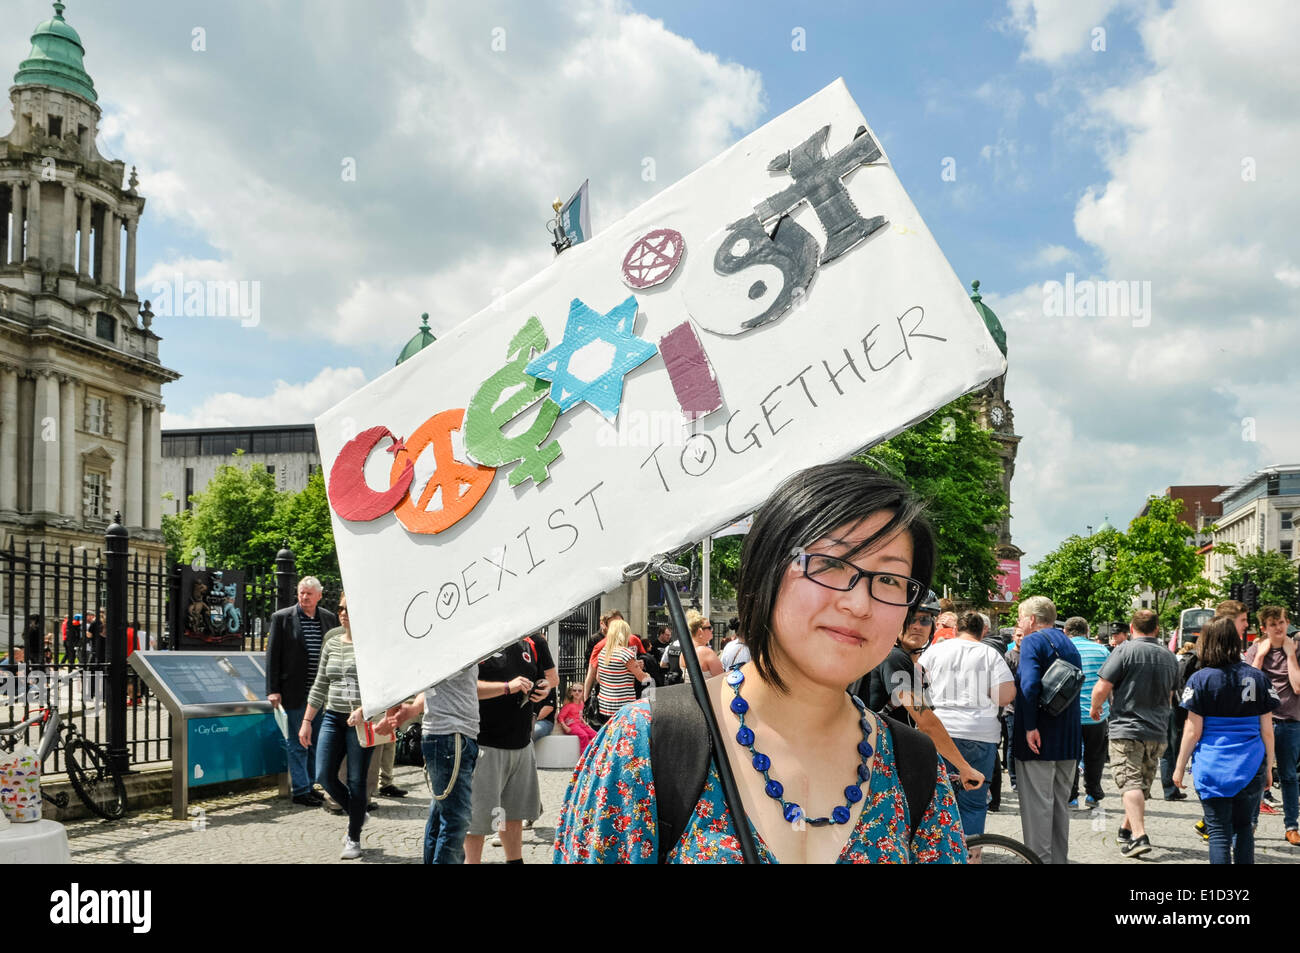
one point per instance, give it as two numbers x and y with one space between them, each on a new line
619 670
337 691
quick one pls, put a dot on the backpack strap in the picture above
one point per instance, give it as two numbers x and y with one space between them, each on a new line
916 761
680 751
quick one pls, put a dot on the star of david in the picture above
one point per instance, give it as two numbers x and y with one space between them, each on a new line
585 325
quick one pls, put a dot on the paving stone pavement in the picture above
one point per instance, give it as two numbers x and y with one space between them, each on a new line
259 827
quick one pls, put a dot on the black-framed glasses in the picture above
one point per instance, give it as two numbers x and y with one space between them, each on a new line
832 572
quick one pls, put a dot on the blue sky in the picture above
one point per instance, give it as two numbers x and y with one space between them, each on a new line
1122 163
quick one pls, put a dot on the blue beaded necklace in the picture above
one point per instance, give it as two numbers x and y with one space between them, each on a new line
762 763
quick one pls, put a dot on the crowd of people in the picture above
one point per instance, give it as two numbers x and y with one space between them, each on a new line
833 592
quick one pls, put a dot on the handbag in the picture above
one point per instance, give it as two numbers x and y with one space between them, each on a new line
1060 684
368 737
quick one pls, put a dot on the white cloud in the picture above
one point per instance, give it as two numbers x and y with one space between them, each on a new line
1050 255
1198 199
285 404
458 147
1057 29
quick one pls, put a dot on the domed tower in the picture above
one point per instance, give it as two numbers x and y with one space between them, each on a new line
80 379
993 411
422 339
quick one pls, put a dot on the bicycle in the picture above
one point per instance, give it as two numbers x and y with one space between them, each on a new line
93 777
996 849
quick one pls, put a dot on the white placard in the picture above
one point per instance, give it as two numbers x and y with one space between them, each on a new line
878 337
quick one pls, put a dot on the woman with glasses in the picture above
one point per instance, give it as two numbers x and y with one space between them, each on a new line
337 691
835 559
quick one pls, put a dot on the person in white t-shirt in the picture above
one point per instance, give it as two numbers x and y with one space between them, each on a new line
969 682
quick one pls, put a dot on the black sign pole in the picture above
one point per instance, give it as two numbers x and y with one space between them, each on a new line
670 574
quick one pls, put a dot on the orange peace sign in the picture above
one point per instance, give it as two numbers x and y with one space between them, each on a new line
462 484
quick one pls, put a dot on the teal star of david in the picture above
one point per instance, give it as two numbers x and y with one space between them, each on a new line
584 326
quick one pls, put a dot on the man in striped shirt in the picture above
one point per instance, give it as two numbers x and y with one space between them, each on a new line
1094 656
293 650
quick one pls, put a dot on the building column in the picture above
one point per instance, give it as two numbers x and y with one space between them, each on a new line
45 444
83 262
34 221
6 200
16 242
131 510
8 437
112 228
70 487
69 261
129 282
153 485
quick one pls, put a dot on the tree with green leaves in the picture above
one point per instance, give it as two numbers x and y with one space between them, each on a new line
1156 554
1078 576
240 521
1270 570
952 463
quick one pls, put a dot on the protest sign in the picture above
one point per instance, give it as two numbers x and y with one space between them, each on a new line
783 305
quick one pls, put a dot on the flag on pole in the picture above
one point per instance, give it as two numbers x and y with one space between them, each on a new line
575 216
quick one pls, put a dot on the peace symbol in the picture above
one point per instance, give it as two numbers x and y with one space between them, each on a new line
462 484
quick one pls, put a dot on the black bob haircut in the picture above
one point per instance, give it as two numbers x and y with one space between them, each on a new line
804 509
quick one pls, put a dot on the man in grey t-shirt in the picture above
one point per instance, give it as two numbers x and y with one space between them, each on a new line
1138 678
449 728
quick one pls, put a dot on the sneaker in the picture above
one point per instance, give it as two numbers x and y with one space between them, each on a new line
1267 808
392 790
1204 831
1268 796
1293 838
1090 801
1074 803
351 849
1176 795
1136 847
1124 835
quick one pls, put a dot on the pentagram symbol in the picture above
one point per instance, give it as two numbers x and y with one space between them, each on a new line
653 258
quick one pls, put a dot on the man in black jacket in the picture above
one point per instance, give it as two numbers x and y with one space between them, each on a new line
292 651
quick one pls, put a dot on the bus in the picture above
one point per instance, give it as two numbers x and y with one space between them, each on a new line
1190 623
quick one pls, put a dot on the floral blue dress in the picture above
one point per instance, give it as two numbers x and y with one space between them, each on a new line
609 814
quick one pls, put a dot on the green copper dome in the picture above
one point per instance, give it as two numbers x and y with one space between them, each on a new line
990 319
423 338
56 59
1105 526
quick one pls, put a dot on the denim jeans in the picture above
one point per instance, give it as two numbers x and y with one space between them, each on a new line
542 727
444 833
302 761
973 805
1230 822
1286 749
338 738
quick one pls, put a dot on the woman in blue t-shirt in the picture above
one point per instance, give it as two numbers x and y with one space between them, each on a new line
1230 730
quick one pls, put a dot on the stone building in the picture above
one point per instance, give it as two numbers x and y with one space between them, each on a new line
80 378
1261 513
993 412
191 457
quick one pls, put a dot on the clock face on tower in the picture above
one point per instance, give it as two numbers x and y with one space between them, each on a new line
997 416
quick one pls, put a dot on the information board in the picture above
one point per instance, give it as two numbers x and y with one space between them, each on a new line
211 679
230 747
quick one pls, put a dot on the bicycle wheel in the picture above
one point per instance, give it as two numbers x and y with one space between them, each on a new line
98 785
996 849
